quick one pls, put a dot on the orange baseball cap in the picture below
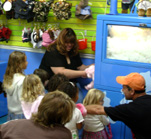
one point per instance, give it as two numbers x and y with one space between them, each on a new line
133 80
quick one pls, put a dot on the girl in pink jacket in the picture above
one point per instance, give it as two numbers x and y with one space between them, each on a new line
32 94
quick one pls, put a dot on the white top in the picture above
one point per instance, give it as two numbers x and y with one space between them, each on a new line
76 118
14 94
31 107
95 123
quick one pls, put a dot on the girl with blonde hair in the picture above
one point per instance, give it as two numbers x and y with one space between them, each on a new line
12 83
94 124
32 94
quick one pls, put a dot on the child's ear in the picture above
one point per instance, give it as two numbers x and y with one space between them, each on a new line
46 83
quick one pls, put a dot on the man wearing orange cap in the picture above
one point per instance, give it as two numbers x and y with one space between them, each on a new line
137 114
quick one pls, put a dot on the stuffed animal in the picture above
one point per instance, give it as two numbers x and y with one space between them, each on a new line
90 74
127 4
144 7
62 9
47 38
82 109
83 10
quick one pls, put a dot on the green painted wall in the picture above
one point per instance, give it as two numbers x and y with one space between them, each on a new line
88 25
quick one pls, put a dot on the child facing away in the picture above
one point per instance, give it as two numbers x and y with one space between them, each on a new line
94 125
76 122
44 76
32 94
12 83
55 81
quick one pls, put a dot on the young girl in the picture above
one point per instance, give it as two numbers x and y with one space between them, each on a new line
94 124
75 123
32 94
12 83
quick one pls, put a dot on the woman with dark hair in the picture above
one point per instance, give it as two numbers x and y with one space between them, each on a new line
63 57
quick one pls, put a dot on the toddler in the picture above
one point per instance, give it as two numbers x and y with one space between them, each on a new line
32 94
75 123
94 125
55 81
44 76
12 84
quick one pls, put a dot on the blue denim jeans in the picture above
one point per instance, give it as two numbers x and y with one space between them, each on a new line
80 100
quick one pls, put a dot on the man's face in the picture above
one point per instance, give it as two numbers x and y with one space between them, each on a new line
128 94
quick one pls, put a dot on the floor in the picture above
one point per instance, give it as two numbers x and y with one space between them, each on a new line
3 119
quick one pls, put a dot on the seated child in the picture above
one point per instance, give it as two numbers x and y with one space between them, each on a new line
32 94
43 75
55 81
75 123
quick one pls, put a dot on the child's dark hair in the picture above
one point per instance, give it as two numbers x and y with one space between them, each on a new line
1 89
43 75
55 81
70 88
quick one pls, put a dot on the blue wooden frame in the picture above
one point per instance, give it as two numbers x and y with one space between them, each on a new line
100 54
106 70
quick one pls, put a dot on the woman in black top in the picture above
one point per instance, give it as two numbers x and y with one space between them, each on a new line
63 57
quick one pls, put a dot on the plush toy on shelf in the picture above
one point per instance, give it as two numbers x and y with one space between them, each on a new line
144 7
62 9
127 4
83 10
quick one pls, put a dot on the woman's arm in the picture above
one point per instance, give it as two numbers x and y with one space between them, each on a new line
83 67
71 74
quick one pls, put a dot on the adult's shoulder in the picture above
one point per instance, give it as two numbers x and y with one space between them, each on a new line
52 51
13 123
65 132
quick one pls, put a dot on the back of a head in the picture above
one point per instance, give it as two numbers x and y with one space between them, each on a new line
43 75
32 88
15 65
56 108
55 81
69 88
93 97
15 61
